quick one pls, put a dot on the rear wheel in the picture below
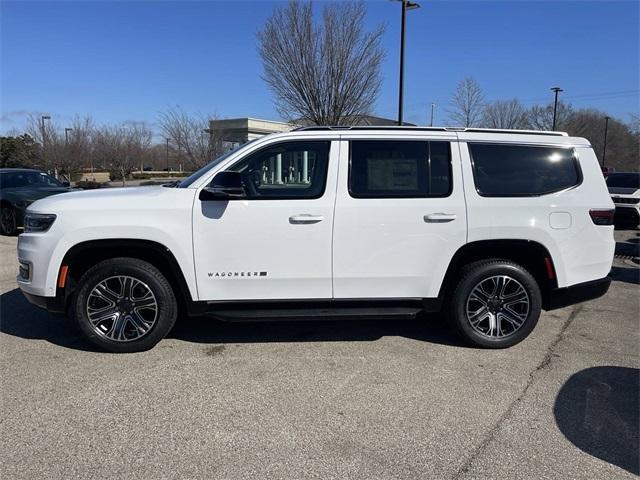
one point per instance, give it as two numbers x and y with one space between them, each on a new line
8 225
496 304
125 305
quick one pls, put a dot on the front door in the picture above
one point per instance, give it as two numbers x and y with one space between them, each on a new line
276 242
400 215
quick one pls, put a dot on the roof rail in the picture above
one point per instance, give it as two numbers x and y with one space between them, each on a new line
427 129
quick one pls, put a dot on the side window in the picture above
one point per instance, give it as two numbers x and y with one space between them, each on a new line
399 168
521 170
292 170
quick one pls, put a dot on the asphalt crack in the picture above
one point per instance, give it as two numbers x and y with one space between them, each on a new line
544 364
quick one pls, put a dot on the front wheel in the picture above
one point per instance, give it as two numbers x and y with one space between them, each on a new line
124 305
496 304
8 224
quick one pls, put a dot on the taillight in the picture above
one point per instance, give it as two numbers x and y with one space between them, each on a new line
602 217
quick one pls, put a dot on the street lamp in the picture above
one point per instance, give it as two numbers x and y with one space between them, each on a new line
604 148
406 5
167 152
433 108
555 104
44 138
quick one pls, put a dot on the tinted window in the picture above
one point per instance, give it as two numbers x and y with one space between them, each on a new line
518 170
624 180
397 168
286 170
23 179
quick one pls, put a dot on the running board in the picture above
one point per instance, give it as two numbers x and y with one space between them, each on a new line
237 315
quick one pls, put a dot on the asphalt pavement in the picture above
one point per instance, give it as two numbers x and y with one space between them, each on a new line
329 400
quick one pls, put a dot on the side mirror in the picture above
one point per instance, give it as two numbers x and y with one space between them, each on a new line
224 186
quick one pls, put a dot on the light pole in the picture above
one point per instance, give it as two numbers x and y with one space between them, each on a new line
167 152
44 138
406 5
604 148
555 104
433 108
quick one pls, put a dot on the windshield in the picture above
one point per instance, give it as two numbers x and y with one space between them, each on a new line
624 180
22 179
202 170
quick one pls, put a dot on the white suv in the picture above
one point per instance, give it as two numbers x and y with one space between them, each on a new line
334 223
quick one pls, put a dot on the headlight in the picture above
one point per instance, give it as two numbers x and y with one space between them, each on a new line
38 222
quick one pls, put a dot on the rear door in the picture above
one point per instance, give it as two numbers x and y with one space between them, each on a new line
400 215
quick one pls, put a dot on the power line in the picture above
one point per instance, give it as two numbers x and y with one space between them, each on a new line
582 97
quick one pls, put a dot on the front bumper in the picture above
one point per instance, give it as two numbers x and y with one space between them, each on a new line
52 304
582 292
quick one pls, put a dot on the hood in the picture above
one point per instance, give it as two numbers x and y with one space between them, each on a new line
103 199
622 190
112 200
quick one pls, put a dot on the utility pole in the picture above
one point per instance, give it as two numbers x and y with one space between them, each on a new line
555 105
604 148
44 139
406 5
433 107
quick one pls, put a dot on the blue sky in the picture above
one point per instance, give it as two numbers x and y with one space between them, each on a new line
121 61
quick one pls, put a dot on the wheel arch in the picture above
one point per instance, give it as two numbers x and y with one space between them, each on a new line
532 255
84 255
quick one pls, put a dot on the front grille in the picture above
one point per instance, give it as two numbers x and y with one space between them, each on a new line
630 201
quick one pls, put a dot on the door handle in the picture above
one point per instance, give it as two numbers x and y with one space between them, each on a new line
304 219
439 217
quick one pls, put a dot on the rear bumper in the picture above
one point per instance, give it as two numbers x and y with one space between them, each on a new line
563 297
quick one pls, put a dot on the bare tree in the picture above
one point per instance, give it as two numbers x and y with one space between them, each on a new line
467 104
541 116
505 114
120 148
191 136
47 135
326 74
623 149
77 146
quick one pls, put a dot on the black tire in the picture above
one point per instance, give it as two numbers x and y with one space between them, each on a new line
164 311
8 224
483 334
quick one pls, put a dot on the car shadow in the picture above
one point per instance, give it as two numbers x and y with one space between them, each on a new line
597 410
426 328
19 318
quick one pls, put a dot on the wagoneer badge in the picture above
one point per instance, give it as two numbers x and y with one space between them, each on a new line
237 274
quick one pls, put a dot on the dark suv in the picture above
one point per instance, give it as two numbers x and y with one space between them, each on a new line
19 188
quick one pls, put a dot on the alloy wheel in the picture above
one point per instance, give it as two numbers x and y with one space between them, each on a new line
498 306
7 221
122 308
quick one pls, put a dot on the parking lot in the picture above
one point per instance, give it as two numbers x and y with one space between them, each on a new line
351 399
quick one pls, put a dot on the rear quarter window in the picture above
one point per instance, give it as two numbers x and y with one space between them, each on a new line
522 170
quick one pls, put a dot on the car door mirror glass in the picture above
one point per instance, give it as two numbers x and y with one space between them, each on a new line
225 185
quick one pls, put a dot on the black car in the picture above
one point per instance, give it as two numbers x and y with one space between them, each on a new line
18 189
